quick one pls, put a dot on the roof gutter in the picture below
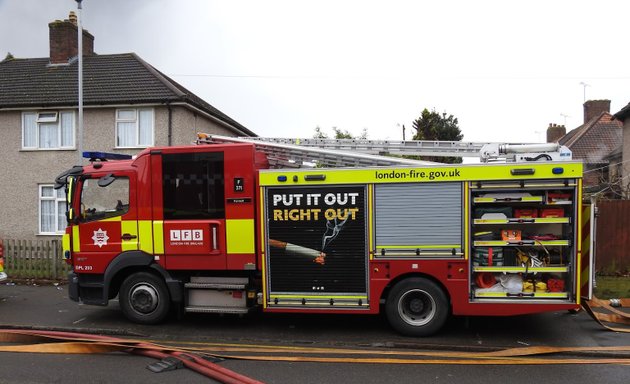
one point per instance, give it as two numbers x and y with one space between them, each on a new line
88 106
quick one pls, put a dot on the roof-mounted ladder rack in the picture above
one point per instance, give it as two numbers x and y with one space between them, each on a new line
282 154
364 152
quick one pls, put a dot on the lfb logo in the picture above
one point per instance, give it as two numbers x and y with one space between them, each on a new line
186 235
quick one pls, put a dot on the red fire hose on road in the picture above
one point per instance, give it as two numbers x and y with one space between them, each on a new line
70 342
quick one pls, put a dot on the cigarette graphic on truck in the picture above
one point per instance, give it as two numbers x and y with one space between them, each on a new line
317 256
333 227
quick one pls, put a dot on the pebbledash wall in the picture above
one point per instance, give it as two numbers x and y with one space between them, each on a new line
23 171
186 124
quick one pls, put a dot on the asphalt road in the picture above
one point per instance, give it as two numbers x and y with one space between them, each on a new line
48 307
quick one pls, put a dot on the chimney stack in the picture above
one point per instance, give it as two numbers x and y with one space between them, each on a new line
594 108
555 132
64 42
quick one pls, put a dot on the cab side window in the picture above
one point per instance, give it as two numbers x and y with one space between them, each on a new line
100 201
192 186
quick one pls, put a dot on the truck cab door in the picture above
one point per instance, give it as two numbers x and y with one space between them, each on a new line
193 208
107 222
204 207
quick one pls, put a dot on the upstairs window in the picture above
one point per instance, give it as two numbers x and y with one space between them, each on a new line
48 130
134 128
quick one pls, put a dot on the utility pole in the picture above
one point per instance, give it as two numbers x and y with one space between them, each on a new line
403 131
80 72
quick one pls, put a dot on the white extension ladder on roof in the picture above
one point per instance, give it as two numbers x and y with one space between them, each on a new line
281 154
364 152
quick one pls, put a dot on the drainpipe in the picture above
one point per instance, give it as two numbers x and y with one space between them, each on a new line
170 124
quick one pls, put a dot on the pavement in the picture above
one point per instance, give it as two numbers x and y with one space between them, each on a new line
47 307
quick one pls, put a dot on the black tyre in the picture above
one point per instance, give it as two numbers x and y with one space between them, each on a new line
144 298
417 307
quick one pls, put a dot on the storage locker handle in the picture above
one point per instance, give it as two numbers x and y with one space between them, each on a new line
521 294
521 220
522 242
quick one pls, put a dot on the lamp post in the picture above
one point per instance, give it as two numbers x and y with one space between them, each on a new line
80 72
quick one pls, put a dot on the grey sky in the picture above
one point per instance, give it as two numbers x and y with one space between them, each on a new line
506 69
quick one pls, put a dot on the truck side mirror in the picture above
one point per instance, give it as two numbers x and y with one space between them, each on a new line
106 180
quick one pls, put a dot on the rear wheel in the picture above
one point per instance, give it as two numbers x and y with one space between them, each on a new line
144 298
417 307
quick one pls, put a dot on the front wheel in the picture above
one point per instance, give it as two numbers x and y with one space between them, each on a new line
144 298
417 307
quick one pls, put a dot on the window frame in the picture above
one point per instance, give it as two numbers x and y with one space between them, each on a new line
56 199
136 122
104 213
177 168
47 117
39 121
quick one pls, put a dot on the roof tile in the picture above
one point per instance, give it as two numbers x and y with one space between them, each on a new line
594 140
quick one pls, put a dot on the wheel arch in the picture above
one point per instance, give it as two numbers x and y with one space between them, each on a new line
398 279
130 262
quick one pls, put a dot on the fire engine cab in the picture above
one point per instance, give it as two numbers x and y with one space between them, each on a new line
215 228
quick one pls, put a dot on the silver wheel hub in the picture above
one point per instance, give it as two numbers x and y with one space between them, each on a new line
143 298
416 307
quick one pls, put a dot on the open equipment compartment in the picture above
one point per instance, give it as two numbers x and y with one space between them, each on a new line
523 240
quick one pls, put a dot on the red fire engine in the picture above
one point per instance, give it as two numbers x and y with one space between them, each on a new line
213 228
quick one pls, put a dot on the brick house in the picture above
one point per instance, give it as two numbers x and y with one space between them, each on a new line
593 142
128 105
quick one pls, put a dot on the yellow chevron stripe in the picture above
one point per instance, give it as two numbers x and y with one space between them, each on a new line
145 231
65 243
158 237
76 240
130 227
370 211
240 235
